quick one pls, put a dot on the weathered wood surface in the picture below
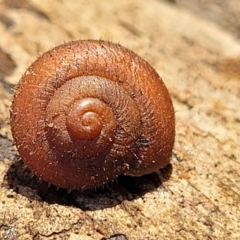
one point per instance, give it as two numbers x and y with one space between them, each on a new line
198 196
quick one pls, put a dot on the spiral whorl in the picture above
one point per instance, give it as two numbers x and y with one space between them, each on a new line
88 111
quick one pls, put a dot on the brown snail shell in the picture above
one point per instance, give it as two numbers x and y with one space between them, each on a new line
88 111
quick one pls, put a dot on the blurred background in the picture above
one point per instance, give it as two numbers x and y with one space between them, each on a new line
195 47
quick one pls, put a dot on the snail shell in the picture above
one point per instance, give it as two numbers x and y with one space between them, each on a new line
87 111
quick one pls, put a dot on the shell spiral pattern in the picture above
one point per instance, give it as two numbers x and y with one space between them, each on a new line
88 111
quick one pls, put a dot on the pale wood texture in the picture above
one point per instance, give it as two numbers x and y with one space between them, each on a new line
199 62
